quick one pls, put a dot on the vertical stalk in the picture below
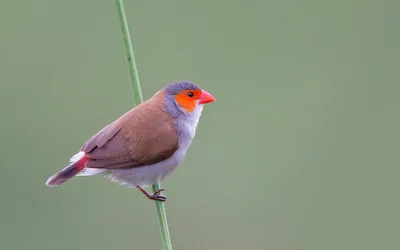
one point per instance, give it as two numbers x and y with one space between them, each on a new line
137 92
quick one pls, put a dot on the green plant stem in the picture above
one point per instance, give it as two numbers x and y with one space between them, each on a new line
137 92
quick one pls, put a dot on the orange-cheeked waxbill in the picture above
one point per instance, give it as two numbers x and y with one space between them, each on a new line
145 144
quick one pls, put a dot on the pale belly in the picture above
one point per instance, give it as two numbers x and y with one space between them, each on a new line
141 176
147 175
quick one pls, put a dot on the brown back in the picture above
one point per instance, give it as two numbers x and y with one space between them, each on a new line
143 136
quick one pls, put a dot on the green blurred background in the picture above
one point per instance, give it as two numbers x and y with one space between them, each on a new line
300 150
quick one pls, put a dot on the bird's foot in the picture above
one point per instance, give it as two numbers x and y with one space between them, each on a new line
156 196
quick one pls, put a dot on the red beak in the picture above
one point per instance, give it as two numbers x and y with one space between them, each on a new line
205 97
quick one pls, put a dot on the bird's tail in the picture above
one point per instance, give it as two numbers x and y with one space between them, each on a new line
77 164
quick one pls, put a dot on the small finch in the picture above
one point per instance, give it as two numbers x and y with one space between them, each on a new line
144 145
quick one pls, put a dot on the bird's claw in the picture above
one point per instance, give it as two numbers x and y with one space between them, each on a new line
157 197
158 191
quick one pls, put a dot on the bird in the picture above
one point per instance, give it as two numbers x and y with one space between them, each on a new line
145 144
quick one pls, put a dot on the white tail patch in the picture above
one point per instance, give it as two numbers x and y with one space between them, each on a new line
85 171
77 157
91 172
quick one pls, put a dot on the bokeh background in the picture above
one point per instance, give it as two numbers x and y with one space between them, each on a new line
300 150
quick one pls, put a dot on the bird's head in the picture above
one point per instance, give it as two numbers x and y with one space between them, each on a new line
186 98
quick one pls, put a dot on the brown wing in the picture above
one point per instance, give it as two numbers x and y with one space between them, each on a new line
143 136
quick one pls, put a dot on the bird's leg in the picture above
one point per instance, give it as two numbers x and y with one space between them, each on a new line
155 196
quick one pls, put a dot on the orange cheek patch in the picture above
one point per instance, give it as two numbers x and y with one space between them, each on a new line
186 102
189 104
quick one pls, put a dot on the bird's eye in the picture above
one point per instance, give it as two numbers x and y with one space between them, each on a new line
190 94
